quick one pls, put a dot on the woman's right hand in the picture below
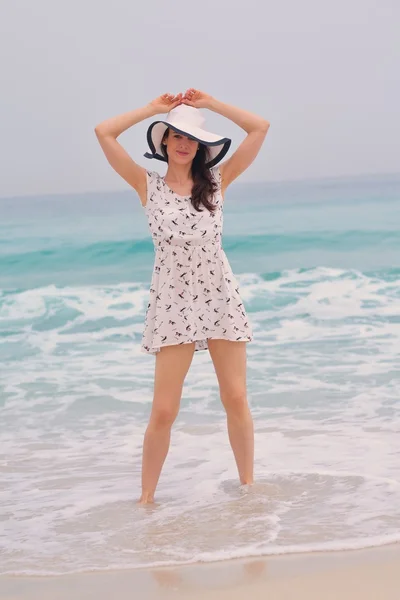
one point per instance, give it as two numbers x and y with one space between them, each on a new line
166 102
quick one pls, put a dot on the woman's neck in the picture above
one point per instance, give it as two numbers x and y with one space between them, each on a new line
179 174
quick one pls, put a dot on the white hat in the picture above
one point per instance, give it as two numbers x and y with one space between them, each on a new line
187 120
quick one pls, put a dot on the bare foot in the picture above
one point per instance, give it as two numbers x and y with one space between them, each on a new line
146 499
246 483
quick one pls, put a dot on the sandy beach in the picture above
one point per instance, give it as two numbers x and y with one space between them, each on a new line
369 574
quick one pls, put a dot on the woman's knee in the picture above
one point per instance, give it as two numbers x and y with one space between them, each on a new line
235 403
163 417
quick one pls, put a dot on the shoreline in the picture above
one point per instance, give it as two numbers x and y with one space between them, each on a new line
370 573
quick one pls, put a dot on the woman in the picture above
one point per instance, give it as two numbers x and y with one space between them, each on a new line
194 300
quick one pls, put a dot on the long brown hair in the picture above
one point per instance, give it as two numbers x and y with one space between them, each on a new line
204 185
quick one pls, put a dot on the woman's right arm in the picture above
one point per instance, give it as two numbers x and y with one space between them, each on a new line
108 131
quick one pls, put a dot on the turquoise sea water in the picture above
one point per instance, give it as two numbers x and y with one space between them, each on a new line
318 264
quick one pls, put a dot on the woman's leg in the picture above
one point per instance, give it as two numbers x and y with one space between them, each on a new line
171 367
229 360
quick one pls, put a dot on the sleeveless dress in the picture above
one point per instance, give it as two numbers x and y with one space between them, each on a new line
194 295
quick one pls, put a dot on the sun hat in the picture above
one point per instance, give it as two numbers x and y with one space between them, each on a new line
188 121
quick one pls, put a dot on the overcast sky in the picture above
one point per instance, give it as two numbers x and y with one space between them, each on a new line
326 74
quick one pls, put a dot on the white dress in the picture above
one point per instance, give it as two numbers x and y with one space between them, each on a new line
194 295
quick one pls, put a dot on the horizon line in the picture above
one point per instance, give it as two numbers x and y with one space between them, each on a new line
265 182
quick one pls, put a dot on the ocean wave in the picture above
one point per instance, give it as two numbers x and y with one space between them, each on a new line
117 252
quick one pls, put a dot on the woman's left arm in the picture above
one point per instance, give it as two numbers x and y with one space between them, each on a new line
255 126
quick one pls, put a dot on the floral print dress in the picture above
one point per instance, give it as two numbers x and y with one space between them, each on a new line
194 295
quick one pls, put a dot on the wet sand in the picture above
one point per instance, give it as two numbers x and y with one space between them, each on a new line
369 574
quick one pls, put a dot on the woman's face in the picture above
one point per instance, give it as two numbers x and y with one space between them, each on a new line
180 148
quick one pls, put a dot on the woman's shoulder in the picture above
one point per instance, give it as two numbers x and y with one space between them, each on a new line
216 174
215 171
153 174
154 181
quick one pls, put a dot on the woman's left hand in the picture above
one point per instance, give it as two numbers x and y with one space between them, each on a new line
196 98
